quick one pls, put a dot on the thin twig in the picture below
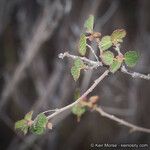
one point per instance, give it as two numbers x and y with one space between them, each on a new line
135 74
97 81
122 122
51 110
92 52
96 64
91 62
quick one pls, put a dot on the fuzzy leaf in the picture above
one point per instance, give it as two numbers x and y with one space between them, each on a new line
131 58
107 57
117 36
78 110
22 126
82 45
105 43
21 123
89 24
115 66
28 116
75 72
37 130
39 125
79 63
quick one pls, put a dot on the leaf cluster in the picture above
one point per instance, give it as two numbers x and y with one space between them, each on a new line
36 126
105 44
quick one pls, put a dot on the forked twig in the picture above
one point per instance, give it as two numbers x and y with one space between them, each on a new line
96 64
99 109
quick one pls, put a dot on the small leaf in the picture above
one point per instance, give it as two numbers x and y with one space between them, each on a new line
75 73
107 57
105 43
21 123
79 63
22 126
78 110
39 125
82 45
89 24
28 116
117 36
37 130
131 58
115 66
75 70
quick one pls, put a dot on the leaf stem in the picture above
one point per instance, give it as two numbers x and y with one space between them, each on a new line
92 52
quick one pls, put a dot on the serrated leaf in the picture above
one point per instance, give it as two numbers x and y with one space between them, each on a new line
21 123
115 66
39 125
75 72
107 57
105 43
82 45
89 24
22 126
28 116
41 120
37 130
78 110
117 36
131 58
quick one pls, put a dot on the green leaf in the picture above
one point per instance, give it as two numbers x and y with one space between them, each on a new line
105 43
22 126
89 24
28 116
78 110
39 125
107 57
37 130
79 63
82 45
117 36
21 123
75 72
131 58
115 66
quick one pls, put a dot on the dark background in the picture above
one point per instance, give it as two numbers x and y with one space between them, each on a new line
32 34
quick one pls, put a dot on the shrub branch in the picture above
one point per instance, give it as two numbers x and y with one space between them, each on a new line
135 74
121 121
96 82
96 64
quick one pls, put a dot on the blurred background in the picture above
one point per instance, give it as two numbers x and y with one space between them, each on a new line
32 77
